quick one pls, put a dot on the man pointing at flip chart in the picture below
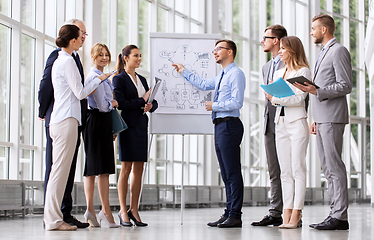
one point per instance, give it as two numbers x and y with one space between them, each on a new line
229 88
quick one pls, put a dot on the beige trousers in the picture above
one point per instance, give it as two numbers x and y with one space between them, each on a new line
64 136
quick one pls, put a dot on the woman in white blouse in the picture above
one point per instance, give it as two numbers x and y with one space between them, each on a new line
292 131
65 119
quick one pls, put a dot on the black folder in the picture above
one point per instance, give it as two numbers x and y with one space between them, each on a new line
301 80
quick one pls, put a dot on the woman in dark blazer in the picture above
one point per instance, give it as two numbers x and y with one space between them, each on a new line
132 93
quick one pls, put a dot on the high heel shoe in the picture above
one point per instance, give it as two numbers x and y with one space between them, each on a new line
123 223
136 222
297 225
90 218
102 216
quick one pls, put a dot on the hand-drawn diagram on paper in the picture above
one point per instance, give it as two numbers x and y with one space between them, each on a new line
177 95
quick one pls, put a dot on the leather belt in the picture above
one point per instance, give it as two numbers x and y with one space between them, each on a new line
221 120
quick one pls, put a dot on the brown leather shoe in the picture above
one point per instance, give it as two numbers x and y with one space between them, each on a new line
65 227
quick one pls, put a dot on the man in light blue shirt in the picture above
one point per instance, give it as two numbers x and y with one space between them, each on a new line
229 88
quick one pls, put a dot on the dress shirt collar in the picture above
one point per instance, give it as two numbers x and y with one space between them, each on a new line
226 69
62 52
276 59
329 42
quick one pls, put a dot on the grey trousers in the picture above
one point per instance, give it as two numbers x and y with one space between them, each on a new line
330 144
276 203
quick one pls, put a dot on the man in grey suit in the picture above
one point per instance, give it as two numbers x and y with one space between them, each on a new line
333 75
271 43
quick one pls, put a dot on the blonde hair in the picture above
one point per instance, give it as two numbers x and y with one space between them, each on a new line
97 49
296 51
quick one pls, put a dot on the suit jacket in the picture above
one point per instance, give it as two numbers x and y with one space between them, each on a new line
333 75
46 93
294 106
269 113
128 99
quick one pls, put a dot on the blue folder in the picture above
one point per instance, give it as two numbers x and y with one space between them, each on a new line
278 89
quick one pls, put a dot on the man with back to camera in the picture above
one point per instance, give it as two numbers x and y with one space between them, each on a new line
46 101
271 43
228 99
333 75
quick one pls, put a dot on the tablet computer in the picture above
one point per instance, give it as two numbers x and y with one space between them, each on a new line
301 80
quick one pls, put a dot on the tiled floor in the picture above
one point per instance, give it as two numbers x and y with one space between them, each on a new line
166 224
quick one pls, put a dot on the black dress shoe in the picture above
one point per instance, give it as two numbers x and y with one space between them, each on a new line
72 221
269 220
316 224
333 224
136 222
123 223
220 220
231 222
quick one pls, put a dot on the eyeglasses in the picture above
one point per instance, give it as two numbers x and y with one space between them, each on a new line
264 38
84 33
217 49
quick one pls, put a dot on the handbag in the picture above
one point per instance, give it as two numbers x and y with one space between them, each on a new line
119 124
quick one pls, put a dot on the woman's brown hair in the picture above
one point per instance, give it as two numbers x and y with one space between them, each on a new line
120 66
295 48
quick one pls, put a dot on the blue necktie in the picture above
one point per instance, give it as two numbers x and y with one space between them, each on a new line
319 56
215 99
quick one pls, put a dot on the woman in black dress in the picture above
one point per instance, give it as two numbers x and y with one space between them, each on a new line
132 93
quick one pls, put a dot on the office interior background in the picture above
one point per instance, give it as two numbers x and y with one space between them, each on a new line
28 29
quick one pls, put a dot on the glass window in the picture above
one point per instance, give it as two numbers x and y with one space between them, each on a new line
162 24
355 43
144 15
4 81
179 6
165 2
195 9
5 7
195 28
255 58
177 174
353 8
179 24
104 22
354 93
28 12
222 15
255 18
161 147
161 173
27 90
193 148
70 9
323 4
122 25
238 17
270 12
50 14
178 147
193 174
339 29
25 164
338 6
239 51
4 159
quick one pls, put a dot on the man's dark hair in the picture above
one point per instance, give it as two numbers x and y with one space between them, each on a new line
231 45
277 30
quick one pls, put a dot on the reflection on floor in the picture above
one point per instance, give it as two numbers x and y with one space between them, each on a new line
166 224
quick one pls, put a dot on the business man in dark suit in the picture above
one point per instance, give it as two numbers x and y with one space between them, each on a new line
271 43
46 101
333 75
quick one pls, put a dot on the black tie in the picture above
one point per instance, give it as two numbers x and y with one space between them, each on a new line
216 94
